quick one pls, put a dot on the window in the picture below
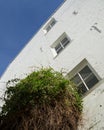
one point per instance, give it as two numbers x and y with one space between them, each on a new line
60 44
85 78
49 25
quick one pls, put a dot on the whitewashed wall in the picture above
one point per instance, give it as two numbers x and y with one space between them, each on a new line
86 42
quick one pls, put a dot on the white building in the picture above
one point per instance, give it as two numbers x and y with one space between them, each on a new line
72 39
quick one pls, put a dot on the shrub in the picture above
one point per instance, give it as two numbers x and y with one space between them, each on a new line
44 100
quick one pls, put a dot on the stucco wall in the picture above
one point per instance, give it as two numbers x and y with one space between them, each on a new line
93 113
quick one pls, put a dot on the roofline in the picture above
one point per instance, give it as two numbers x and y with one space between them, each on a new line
33 36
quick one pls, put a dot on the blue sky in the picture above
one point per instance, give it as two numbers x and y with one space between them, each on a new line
19 21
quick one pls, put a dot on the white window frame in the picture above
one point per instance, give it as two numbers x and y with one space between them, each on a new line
59 42
77 70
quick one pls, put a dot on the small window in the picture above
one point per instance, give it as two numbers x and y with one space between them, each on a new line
60 43
49 25
84 78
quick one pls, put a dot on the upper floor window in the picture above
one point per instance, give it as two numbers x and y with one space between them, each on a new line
84 78
60 44
49 25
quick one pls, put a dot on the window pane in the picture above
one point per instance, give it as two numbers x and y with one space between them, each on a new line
65 41
53 23
48 28
89 78
76 79
85 72
91 81
82 89
58 48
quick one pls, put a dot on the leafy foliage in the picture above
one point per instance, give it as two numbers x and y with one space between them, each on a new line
45 86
